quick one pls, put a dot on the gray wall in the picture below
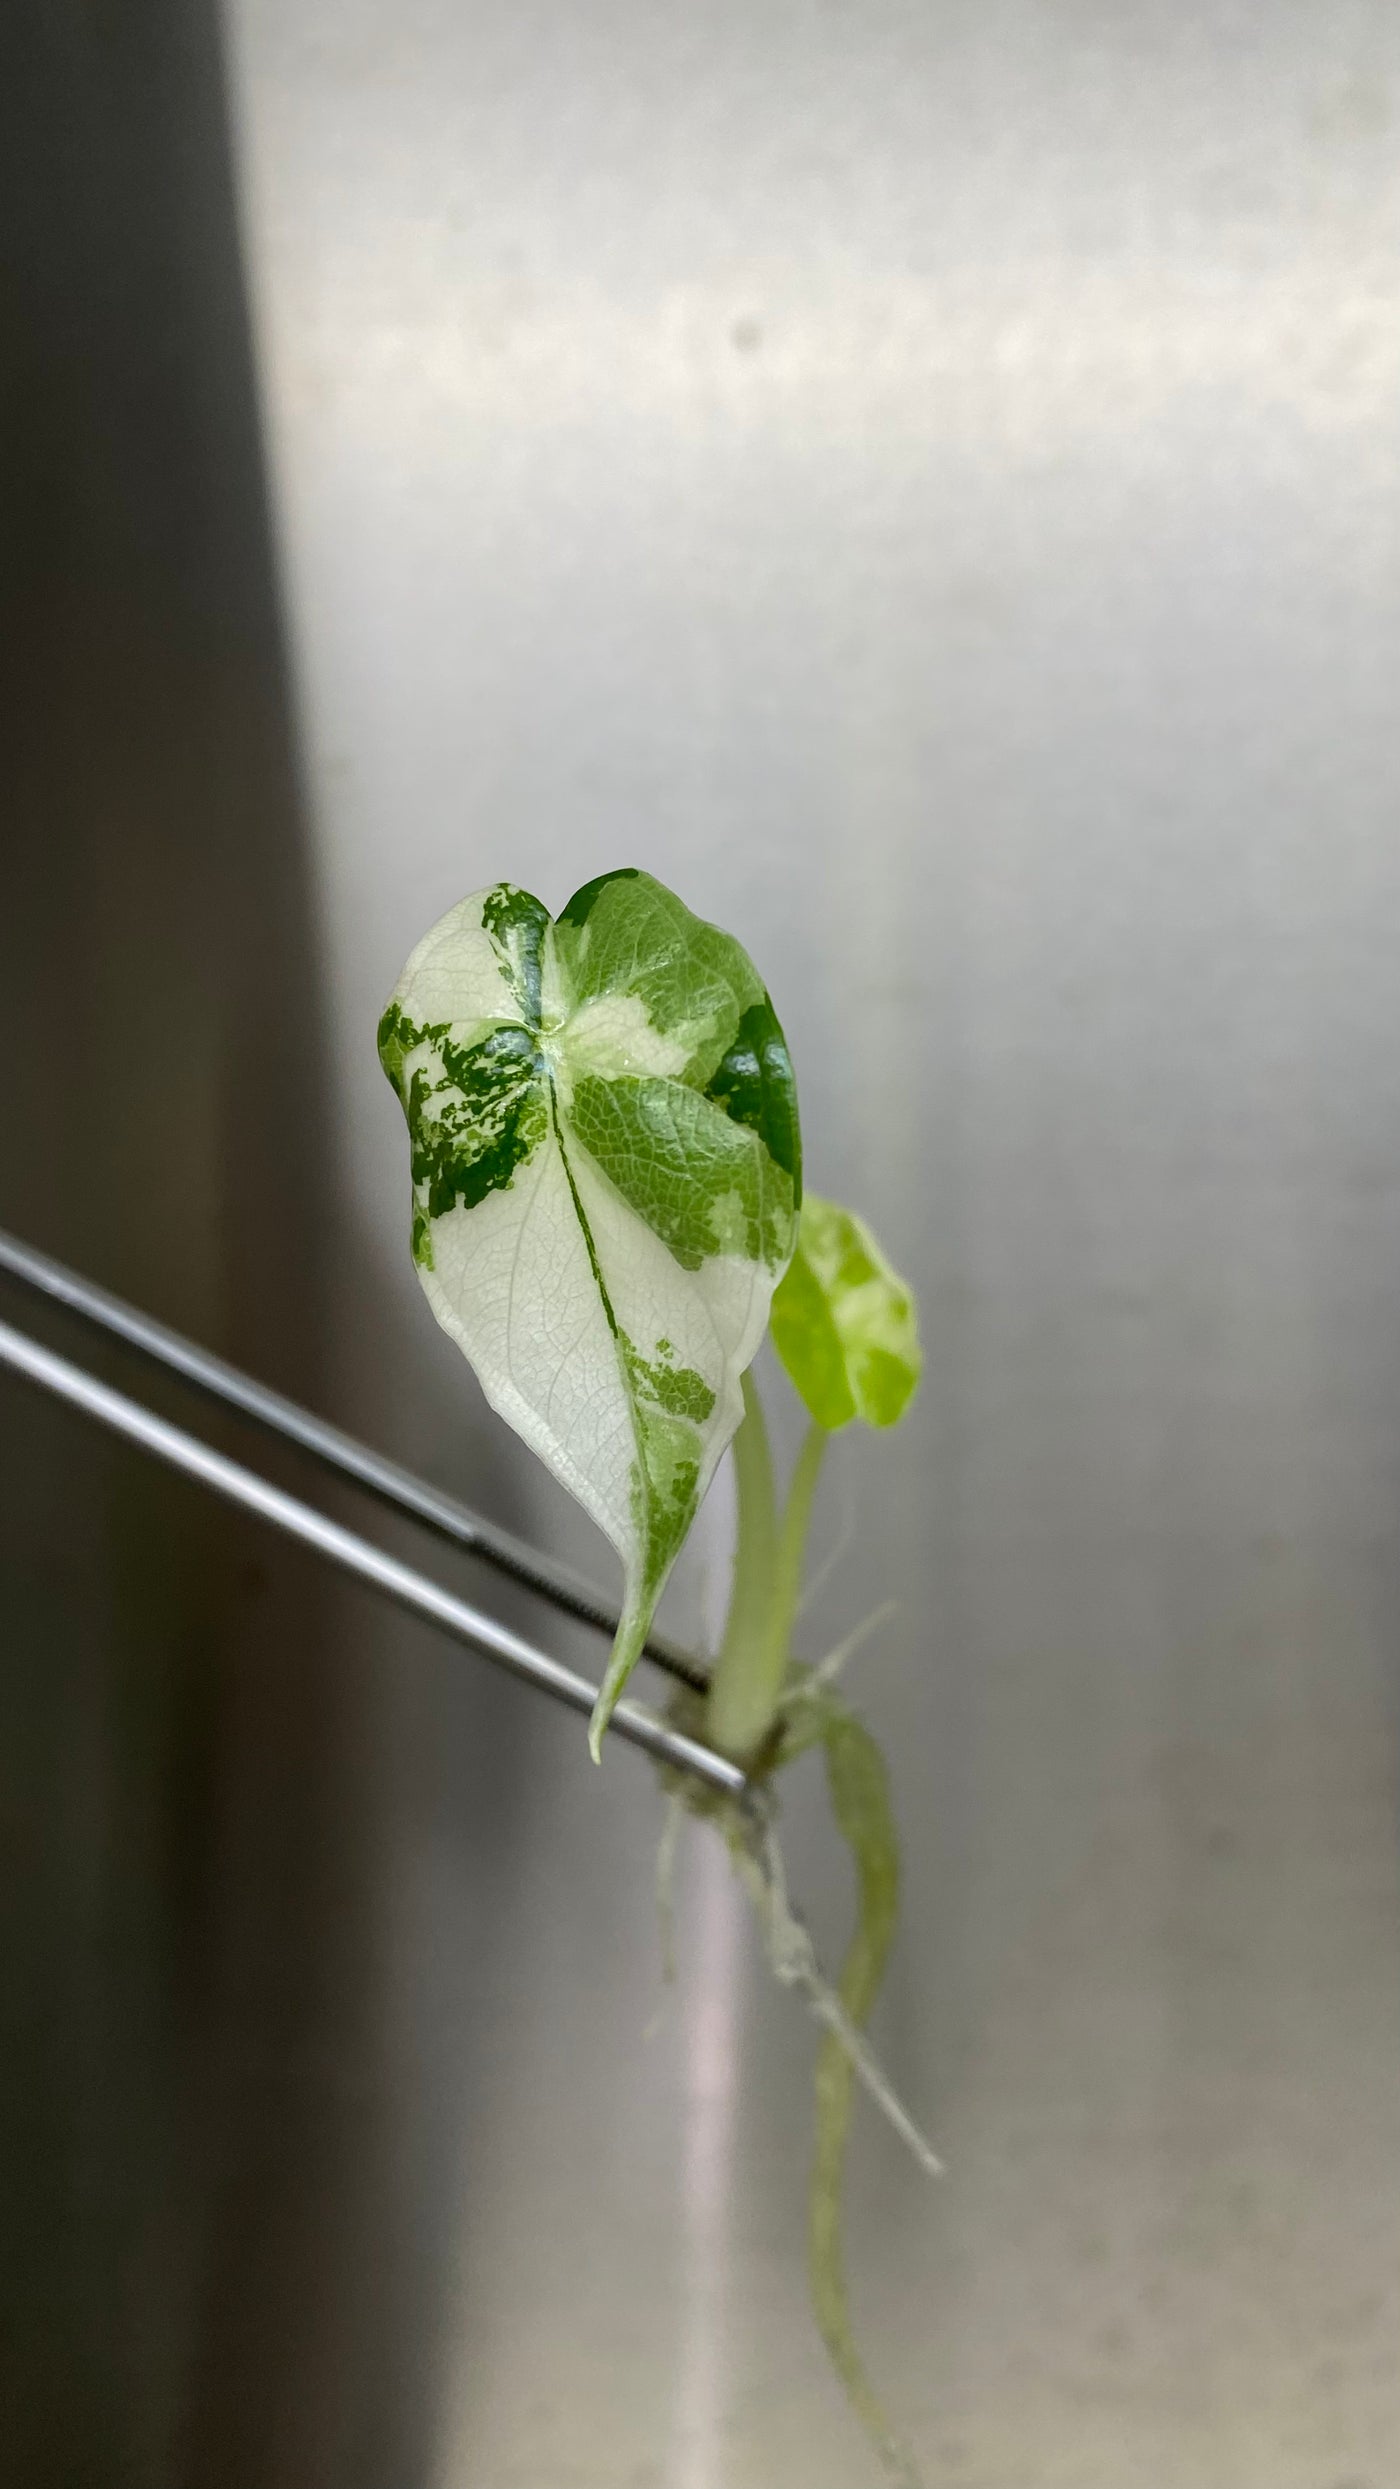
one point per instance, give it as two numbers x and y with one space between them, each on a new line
923 481
194 2118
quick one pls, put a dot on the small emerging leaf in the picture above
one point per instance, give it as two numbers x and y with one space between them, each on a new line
844 1322
606 1175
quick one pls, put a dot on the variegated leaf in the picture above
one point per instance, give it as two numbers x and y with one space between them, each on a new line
606 1179
844 1323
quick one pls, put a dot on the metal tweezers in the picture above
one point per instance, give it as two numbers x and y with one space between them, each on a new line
401 1583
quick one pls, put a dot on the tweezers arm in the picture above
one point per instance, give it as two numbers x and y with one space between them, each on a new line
396 1581
331 1445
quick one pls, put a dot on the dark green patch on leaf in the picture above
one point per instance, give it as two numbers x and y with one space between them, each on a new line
669 1403
397 1038
664 1481
636 937
581 906
475 1114
677 1390
517 925
755 1086
704 1185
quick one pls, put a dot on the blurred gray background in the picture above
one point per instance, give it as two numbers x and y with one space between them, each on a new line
923 481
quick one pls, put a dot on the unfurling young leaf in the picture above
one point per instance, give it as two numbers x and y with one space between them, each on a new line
844 1322
606 1179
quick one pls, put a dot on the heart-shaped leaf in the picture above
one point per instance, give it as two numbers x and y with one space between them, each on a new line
844 1322
606 1177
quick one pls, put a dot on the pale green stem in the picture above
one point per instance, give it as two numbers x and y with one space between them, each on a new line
755 1554
753 1663
792 1552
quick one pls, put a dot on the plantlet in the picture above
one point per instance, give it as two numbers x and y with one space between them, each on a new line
607 1207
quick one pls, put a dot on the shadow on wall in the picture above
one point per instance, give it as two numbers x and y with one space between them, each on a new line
200 2276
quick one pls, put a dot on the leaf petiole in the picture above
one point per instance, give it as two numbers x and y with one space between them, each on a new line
752 1669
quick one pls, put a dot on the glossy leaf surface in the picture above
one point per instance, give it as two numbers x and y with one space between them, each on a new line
606 1175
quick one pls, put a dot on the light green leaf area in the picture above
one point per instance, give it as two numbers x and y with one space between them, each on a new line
845 1324
606 1175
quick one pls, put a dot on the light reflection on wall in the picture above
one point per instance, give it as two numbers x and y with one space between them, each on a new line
705 2145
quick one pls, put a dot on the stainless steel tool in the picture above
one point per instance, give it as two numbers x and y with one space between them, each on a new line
403 1583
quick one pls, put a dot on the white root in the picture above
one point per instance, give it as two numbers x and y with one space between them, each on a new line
792 1958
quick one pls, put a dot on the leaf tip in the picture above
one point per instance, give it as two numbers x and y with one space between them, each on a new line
626 1650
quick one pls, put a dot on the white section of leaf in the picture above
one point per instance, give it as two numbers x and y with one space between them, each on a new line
737 1293
456 973
713 1317
612 1036
513 1285
729 1223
